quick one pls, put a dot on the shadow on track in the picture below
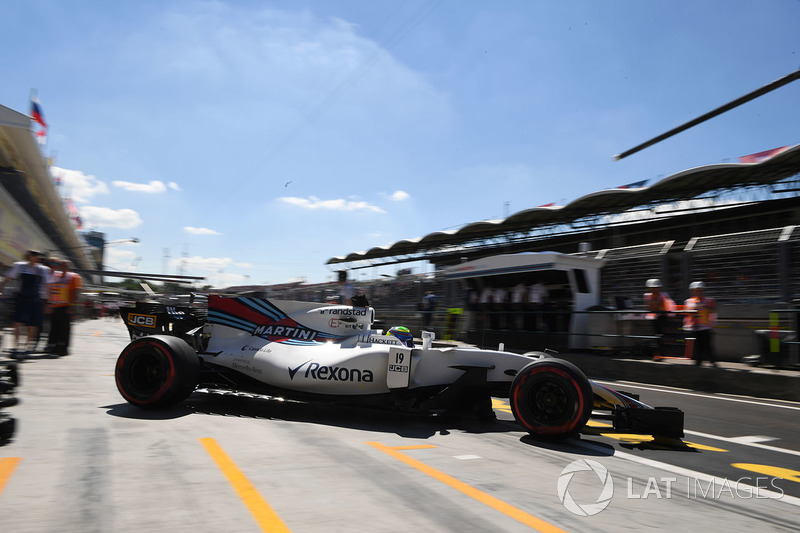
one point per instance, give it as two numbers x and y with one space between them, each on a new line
573 445
404 424
212 402
126 410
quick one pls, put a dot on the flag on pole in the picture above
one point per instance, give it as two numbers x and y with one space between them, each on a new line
634 185
762 156
74 214
36 111
38 117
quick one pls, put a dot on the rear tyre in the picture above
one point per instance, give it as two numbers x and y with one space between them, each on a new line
551 398
157 371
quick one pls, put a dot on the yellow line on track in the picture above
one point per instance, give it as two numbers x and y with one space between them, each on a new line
266 518
7 467
775 471
496 504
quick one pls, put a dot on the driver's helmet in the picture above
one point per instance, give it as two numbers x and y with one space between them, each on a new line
402 333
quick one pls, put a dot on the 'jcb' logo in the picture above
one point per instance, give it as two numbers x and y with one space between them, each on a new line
146 321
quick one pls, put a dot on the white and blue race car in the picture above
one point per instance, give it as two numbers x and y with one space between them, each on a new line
319 352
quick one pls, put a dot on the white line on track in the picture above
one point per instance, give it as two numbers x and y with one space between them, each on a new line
709 395
702 476
744 441
757 439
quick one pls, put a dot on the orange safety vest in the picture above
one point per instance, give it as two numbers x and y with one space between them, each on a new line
663 304
704 317
62 289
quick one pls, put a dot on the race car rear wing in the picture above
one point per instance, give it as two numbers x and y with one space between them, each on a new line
153 318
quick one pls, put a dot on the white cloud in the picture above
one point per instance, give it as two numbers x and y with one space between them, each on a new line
203 264
399 196
120 259
105 217
339 204
174 186
77 185
152 187
200 231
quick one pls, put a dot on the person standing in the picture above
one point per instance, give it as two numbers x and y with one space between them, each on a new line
428 307
519 296
538 296
699 321
346 290
659 305
28 305
64 290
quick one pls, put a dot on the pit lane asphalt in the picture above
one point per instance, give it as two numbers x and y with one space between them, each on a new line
84 460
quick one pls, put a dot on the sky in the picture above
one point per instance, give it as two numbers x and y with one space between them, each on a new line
250 141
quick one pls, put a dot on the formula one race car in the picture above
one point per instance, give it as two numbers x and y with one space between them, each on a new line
320 352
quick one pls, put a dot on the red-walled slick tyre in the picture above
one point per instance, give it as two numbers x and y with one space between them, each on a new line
157 371
551 398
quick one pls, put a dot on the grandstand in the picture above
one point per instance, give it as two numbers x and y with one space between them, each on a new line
732 225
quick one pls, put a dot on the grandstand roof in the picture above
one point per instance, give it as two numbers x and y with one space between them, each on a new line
683 185
24 173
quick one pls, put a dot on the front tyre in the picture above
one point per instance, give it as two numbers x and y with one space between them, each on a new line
551 398
157 371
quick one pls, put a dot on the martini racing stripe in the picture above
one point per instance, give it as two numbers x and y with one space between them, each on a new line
226 319
298 342
265 308
264 320
239 308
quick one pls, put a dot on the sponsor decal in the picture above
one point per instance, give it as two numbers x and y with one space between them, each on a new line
398 368
331 373
143 321
346 322
290 332
345 311
380 339
250 348
247 367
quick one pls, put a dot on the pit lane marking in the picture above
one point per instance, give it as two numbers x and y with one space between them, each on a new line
774 471
673 390
637 437
743 442
752 439
496 504
264 515
502 405
701 476
7 466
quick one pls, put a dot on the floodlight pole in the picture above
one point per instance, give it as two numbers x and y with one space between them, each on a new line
711 114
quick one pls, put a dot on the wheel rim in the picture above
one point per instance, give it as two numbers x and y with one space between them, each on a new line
552 402
147 373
